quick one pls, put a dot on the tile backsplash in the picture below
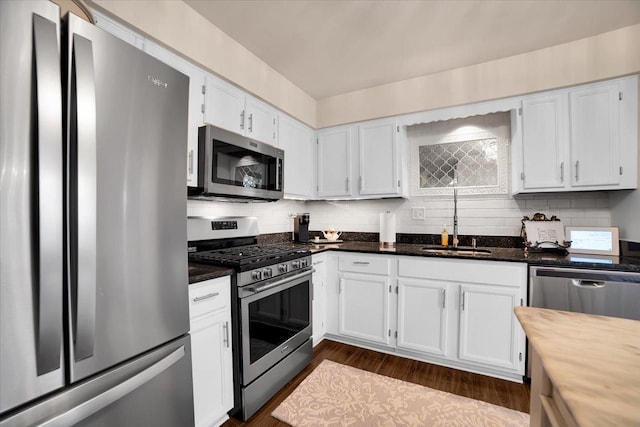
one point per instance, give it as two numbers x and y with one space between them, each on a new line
479 215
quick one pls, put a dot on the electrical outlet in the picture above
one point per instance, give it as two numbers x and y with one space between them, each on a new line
417 214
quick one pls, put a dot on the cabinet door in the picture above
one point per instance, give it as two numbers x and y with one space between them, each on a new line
334 162
364 307
422 319
196 100
319 325
489 331
260 121
543 142
378 158
595 128
297 142
212 368
224 105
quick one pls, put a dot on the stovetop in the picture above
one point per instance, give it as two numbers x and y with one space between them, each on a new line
249 257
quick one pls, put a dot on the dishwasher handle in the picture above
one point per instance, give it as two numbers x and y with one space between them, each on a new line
598 276
588 283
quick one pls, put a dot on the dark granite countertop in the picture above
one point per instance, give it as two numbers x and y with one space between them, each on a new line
200 272
497 254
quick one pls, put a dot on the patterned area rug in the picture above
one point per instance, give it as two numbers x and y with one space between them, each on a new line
339 395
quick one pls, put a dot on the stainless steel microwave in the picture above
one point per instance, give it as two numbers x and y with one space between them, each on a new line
237 167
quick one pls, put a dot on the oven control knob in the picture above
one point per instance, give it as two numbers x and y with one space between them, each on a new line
295 264
267 273
304 263
283 268
256 275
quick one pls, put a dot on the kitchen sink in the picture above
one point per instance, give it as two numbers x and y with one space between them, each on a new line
460 250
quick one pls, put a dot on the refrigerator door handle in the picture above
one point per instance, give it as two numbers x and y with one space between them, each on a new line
83 196
49 194
91 406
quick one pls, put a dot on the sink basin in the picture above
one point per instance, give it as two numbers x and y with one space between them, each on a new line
467 250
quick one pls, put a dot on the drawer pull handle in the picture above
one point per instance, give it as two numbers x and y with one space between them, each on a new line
360 262
203 297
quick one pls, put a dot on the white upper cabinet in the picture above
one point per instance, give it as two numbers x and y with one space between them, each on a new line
595 141
581 138
261 121
196 100
296 140
543 136
368 169
378 158
224 105
334 162
230 108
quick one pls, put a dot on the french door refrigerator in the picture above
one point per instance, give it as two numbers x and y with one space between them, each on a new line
93 260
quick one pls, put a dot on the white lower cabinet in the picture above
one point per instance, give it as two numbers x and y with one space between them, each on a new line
364 307
364 298
452 312
318 310
422 316
462 311
489 333
212 364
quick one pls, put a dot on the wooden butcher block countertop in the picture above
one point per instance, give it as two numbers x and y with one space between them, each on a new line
592 362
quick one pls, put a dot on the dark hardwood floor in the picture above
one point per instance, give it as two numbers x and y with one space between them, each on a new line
475 386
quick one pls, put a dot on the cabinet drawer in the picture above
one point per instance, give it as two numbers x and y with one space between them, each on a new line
208 296
457 270
365 264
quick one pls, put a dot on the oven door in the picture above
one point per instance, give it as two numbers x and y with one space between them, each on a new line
276 319
236 166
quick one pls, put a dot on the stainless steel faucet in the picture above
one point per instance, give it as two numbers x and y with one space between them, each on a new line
455 217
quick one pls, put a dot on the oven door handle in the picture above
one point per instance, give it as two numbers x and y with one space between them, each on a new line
258 289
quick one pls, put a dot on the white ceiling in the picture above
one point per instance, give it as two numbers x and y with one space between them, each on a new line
332 47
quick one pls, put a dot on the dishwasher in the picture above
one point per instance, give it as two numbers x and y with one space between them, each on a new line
601 292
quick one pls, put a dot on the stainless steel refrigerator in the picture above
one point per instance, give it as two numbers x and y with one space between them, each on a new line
93 264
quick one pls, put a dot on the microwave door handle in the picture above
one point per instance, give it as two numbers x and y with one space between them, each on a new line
278 174
84 200
49 195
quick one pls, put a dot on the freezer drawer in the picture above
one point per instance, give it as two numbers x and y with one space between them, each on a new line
152 390
597 292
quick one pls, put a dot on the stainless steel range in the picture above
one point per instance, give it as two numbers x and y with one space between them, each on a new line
271 307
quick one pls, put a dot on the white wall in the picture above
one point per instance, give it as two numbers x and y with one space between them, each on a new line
478 215
625 213
612 54
180 28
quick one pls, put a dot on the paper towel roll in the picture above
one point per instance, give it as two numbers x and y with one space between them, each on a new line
387 229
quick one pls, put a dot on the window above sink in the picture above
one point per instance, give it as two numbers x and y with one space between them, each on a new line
472 151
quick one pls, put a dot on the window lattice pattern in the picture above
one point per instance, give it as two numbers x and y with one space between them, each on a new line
474 163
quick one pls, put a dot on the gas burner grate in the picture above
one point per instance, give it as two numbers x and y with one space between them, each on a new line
242 256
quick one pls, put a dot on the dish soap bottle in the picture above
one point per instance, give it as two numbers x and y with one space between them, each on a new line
444 237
